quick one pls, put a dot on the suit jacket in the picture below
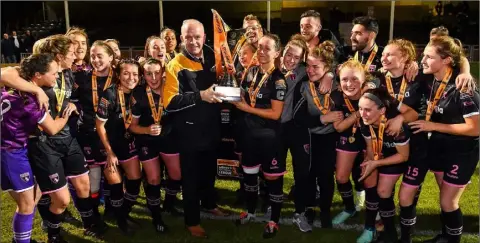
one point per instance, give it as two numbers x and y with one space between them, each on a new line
7 47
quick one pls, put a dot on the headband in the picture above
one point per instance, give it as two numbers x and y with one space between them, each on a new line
374 98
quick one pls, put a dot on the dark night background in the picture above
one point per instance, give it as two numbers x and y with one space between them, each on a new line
132 22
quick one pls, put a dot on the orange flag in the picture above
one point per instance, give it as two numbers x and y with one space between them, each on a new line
220 46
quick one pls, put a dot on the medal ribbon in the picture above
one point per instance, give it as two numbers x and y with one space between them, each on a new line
238 46
156 114
438 94
60 94
326 106
253 62
403 88
253 93
126 120
352 111
378 143
370 58
94 87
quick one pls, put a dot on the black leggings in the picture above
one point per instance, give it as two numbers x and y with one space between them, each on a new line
298 141
323 169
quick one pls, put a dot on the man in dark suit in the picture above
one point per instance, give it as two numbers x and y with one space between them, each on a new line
28 41
8 50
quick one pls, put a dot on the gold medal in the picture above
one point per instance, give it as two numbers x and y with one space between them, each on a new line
351 139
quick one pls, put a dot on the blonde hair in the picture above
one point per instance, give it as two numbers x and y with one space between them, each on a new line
36 46
251 17
356 65
406 47
55 44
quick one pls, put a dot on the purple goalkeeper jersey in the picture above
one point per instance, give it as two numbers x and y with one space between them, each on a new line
20 116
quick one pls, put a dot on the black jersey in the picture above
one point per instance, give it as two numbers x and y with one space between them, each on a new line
414 93
340 105
274 88
109 110
389 142
66 93
141 109
84 96
452 108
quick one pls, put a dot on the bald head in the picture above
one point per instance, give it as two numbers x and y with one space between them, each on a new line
193 36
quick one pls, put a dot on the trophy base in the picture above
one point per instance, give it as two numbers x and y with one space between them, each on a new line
230 93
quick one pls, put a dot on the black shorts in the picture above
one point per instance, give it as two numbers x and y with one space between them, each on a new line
54 161
92 147
345 144
415 170
458 162
260 152
150 147
237 137
392 170
124 147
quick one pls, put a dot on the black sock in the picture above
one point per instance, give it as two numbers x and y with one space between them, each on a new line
116 199
53 223
251 191
106 193
85 209
387 212
371 207
275 187
43 206
132 189
407 221
453 225
172 188
153 201
346 192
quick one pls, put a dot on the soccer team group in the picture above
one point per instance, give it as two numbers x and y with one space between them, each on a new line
81 122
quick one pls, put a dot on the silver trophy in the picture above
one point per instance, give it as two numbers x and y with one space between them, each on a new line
227 85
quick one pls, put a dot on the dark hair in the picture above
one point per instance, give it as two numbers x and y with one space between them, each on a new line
325 52
447 46
439 31
369 23
311 13
151 61
107 49
382 98
126 61
275 39
35 63
164 31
